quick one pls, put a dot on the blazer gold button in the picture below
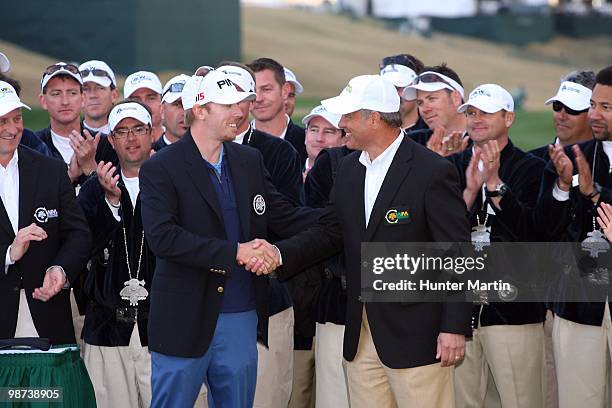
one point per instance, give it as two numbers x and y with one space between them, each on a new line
220 289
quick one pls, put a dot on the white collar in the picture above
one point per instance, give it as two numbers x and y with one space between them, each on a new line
13 163
240 138
386 156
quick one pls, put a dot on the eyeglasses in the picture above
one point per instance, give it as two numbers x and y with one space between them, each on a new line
123 133
175 87
400 59
95 72
52 69
558 106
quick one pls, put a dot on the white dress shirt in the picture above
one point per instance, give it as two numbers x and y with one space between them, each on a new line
104 129
9 192
240 138
376 171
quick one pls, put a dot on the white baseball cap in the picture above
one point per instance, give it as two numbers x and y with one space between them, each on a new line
98 72
174 88
572 95
215 87
239 76
141 79
371 92
5 64
320 110
489 98
128 110
290 77
61 68
430 81
9 100
399 75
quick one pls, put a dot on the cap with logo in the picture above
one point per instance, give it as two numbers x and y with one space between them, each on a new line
290 77
61 68
5 64
320 111
572 95
141 79
399 75
174 88
239 76
9 100
489 98
98 72
371 92
430 81
215 87
132 110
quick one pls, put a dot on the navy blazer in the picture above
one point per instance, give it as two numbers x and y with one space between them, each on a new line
405 335
183 225
47 199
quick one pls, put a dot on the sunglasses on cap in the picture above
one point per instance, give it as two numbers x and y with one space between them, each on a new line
95 72
397 60
558 106
175 87
430 78
52 69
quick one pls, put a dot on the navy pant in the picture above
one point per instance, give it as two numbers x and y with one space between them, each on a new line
229 368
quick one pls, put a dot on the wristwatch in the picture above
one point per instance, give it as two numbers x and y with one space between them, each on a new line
500 190
596 190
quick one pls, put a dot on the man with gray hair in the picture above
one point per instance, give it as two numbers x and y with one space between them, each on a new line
392 352
570 111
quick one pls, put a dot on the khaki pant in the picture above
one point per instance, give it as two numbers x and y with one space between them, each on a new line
77 321
514 354
25 324
303 389
332 390
551 399
275 365
372 384
121 376
582 357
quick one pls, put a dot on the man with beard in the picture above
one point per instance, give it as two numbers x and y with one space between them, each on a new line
576 180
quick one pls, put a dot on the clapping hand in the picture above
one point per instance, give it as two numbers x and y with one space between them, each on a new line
605 219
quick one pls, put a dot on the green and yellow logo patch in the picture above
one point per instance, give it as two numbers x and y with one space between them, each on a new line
394 216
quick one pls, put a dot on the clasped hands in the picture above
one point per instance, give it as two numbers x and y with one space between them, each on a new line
258 256
54 279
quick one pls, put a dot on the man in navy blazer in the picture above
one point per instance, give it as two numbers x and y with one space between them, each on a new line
395 354
203 198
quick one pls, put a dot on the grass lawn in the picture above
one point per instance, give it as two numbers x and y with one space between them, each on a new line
530 130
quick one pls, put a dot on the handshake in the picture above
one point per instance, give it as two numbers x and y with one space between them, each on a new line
258 256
